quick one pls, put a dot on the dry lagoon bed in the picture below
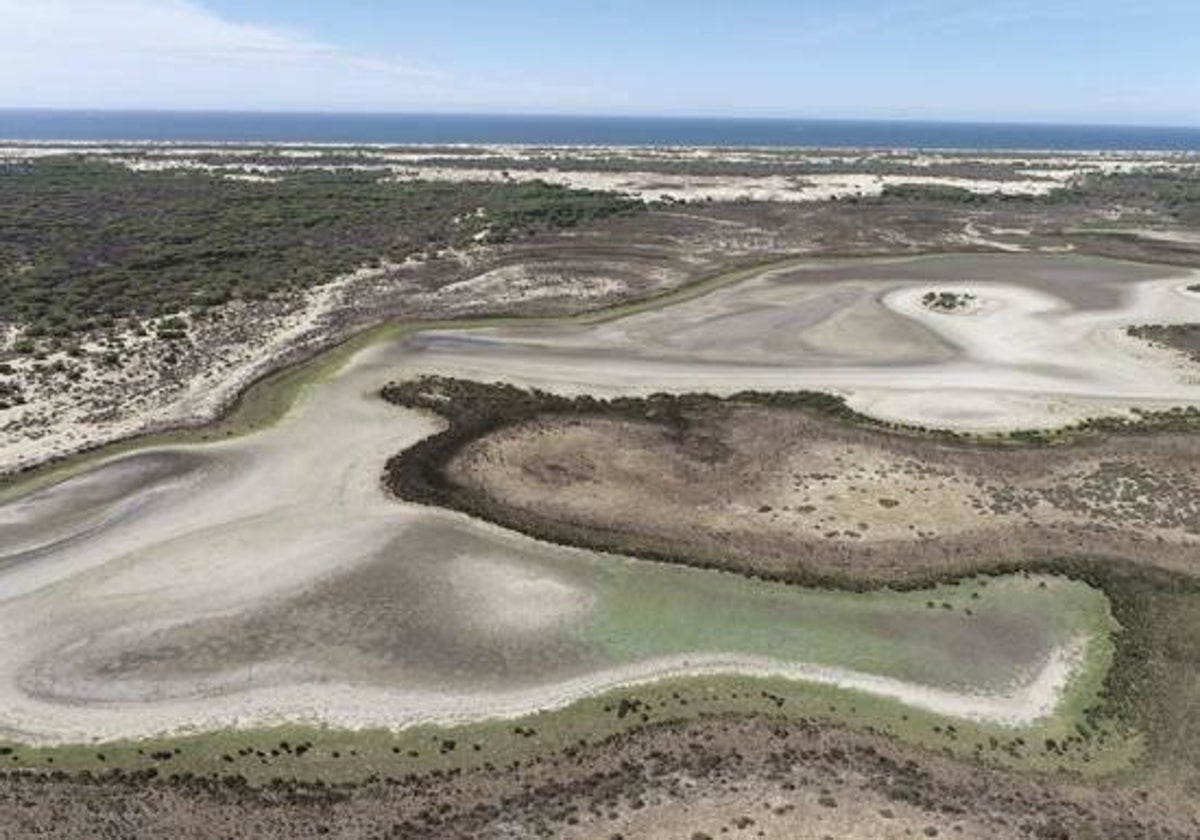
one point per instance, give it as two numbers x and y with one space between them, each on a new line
269 578
1043 345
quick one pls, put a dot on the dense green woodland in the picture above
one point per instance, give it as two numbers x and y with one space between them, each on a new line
85 244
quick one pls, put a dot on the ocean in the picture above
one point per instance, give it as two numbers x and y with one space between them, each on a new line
195 126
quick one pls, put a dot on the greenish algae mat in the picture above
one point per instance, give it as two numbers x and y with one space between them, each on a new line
1068 742
969 638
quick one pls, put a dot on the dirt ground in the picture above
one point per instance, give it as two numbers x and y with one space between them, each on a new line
784 492
723 777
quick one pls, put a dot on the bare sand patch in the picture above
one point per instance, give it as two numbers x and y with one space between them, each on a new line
656 186
511 599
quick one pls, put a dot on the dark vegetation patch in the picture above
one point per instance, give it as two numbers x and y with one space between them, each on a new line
10 393
946 301
1166 191
1182 337
1175 193
936 193
1152 688
84 244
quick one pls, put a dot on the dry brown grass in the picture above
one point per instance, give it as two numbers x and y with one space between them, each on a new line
782 492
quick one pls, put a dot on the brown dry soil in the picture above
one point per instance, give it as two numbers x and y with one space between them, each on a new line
790 494
723 777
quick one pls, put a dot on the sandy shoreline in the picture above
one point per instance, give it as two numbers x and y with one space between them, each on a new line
354 707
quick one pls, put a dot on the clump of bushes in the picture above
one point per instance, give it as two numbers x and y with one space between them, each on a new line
10 395
171 329
1182 337
947 301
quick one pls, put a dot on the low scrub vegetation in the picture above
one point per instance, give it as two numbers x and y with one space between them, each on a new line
1174 194
85 244
1182 337
475 409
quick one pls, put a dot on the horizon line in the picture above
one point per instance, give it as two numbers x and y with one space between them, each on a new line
598 116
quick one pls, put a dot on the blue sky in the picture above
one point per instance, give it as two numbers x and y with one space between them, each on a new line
1107 61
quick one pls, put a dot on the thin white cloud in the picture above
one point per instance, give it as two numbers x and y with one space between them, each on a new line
843 25
177 53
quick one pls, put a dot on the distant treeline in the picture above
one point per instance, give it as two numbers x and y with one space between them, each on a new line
1173 193
761 164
